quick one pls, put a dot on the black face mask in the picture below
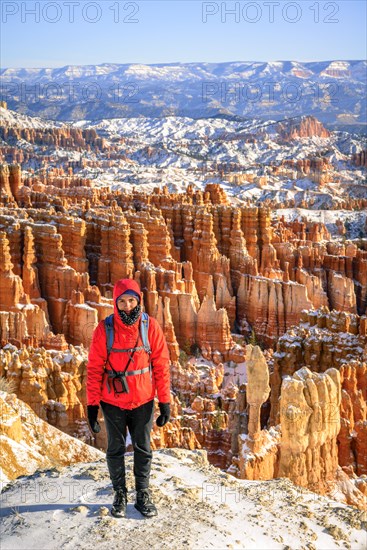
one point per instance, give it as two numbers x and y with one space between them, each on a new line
130 318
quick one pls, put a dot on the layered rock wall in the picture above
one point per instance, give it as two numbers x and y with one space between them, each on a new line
207 270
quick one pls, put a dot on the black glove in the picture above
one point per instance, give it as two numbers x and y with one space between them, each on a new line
164 417
92 418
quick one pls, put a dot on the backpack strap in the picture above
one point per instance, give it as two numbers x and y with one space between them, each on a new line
108 325
144 327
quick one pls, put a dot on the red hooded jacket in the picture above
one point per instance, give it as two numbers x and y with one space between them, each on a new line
142 387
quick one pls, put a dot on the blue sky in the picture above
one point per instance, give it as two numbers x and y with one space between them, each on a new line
49 33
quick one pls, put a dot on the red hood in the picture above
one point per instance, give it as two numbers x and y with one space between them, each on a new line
122 286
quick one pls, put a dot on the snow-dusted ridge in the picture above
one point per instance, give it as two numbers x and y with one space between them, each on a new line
15 119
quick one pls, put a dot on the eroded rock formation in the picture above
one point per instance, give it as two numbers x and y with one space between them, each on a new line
260 273
310 422
28 443
307 127
51 382
212 274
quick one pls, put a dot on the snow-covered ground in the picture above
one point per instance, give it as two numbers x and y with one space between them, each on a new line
199 508
355 222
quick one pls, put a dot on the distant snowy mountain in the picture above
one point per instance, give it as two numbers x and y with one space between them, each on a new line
333 91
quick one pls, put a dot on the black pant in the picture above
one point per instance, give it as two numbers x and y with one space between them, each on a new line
139 421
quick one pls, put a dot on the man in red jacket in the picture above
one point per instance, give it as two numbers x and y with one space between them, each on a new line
127 398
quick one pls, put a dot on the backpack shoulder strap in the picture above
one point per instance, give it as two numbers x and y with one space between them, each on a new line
144 326
108 325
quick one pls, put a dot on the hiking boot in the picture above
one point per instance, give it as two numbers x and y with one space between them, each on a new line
119 503
144 504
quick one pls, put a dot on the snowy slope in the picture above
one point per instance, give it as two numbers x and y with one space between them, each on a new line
199 508
14 119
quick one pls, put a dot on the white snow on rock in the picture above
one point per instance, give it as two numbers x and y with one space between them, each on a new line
14 119
177 151
199 507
